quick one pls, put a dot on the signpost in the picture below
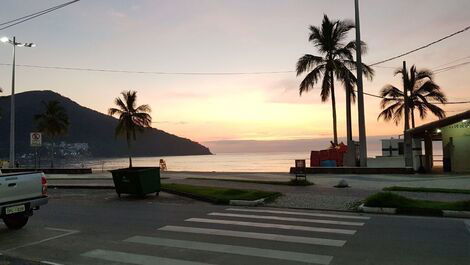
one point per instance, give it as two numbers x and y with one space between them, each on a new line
36 139
36 142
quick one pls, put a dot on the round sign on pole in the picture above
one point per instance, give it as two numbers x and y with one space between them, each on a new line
36 139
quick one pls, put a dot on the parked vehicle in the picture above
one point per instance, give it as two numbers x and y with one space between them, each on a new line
20 195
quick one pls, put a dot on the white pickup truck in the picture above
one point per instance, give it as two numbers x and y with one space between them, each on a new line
20 194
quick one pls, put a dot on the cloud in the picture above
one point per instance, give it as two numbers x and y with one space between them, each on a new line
286 91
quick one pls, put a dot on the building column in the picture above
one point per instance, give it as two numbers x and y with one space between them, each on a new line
428 152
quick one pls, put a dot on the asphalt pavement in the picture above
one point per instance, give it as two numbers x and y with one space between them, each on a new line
95 227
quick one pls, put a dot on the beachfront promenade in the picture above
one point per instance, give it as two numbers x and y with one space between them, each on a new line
322 195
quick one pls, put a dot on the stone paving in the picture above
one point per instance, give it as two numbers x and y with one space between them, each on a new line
322 195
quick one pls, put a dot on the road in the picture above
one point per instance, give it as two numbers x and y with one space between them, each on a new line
95 227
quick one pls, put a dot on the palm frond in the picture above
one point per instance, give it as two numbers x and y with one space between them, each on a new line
143 108
424 73
437 111
391 91
311 79
431 90
122 106
307 62
388 113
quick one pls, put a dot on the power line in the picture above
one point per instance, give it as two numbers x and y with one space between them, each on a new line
147 72
19 20
446 103
445 69
422 47
453 61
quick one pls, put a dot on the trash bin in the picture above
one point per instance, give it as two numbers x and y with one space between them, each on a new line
138 181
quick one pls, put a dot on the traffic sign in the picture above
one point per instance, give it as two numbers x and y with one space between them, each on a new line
36 139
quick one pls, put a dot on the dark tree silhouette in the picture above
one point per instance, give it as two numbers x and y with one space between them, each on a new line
131 118
53 122
336 61
422 91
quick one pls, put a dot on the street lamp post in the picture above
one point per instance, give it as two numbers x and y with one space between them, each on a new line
12 102
360 92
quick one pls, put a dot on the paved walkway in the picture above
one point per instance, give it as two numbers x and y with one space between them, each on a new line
322 195
367 182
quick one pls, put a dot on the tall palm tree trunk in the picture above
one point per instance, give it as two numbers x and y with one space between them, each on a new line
333 106
348 115
412 117
129 149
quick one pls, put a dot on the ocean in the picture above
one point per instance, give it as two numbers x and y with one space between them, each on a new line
266 160
223 162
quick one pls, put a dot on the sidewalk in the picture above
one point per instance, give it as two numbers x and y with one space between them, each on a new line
322 195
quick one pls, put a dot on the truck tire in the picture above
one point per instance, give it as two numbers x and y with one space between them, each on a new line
15 221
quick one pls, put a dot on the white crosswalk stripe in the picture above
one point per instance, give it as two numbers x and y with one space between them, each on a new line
268 217
117 256
299 213
233 249
255 235
234 224
279 226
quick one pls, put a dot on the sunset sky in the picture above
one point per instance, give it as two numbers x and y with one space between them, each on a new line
227 36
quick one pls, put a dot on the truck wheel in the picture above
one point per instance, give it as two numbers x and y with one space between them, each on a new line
15 221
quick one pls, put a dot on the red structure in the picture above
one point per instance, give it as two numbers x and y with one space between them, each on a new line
335 153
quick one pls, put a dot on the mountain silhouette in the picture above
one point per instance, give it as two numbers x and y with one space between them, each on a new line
87 126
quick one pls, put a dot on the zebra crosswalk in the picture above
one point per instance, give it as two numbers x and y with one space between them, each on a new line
240 236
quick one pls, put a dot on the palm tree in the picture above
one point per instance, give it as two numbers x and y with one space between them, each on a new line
335 62
421 90
131 118
53 122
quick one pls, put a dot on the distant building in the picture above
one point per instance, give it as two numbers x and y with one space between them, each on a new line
454 132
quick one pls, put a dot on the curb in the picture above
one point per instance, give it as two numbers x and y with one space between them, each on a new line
80 186
461 214
247 203
443 213
382 210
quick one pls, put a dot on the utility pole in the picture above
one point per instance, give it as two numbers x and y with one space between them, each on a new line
405 96
407 138
12 109
360 92
12 98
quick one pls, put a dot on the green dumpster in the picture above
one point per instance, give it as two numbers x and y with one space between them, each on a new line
138 181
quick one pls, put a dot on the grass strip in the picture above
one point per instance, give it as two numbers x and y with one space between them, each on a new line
421 189
413 206
292 182
217 195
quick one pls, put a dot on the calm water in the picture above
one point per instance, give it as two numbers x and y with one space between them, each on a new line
225 162
222 162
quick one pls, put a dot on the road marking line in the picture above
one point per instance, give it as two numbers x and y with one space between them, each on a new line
279 226
131 258
299 213
50 263
467 224
67 233
233 249
254 235
287 219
